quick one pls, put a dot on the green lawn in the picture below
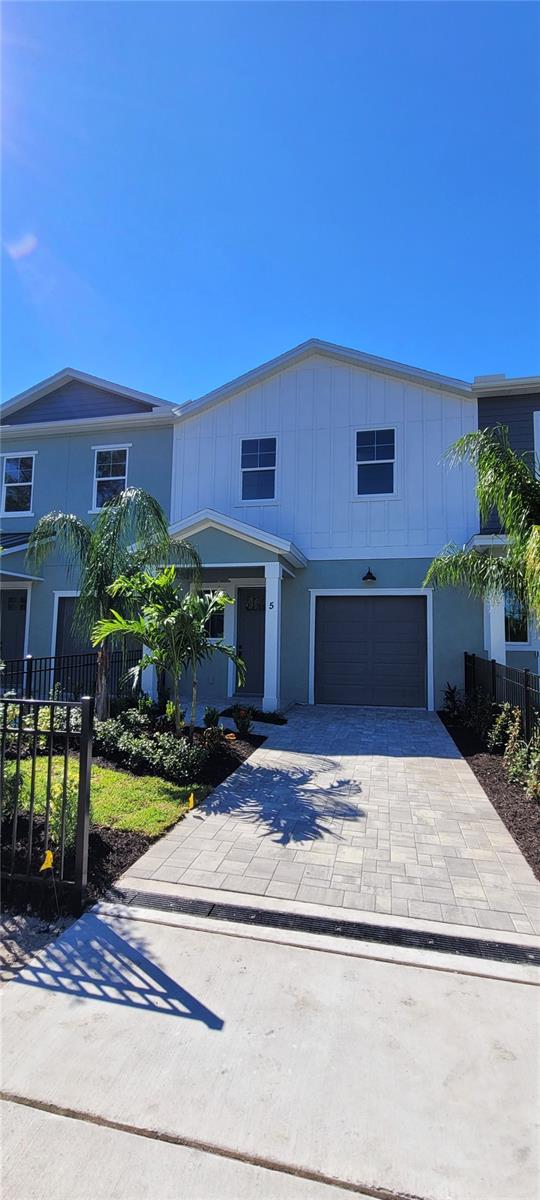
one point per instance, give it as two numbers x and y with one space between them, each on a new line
142 803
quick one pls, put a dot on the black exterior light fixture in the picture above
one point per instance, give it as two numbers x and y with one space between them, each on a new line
369 577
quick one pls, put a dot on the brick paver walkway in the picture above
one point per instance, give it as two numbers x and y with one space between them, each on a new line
370 809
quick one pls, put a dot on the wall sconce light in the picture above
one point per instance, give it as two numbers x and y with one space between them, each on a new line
369 577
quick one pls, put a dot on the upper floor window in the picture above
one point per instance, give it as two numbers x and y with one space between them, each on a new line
375 462
110 473
258 468
516 624
17 483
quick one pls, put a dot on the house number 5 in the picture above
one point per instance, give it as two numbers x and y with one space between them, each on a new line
271 605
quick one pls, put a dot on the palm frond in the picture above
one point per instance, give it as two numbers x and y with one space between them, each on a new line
482 575
62 533
506 481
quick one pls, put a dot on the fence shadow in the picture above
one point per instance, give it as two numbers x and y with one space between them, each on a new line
93 962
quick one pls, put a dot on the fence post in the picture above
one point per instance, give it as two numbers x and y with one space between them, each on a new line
473 672
83 808
28 678
494 679
527 706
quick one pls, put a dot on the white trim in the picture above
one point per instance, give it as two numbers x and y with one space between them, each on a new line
427 593
56 597
273 576
17 454
84 424
19 587
268 500
209 518
20 575
314 346
97 450
67 374
360 497
482 385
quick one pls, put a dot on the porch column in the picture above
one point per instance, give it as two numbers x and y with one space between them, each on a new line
273 573
229 637
494 631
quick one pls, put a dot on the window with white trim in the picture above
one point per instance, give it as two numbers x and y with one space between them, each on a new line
17 483
259 468
516 622
110 474
375 462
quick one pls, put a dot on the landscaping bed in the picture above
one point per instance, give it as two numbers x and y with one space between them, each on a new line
129 812
520 814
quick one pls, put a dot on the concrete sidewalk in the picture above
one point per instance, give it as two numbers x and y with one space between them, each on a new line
415 1079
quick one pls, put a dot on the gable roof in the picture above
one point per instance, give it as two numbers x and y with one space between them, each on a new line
140 403
209 518
357 358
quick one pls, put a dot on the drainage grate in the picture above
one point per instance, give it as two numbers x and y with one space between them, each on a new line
443 943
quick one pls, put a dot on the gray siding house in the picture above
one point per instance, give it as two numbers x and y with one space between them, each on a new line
313 488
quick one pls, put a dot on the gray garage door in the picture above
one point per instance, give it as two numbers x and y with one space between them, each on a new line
371 650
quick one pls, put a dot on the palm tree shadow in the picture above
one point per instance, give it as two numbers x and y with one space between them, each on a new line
290 804
93 962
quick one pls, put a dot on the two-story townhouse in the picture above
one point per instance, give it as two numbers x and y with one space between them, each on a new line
315 491
510 634
68 443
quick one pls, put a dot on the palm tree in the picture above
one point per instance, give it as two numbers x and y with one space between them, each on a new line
507 482
130 532
173 626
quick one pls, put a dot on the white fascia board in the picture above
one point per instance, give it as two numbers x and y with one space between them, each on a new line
19 575
208 518
65 376
49 428
357 358
506 387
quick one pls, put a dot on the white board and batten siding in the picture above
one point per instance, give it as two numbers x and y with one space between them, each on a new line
314 410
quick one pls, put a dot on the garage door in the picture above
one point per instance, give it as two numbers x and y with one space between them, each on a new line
371 650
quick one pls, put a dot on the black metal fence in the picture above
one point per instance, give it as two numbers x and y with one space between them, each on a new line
45 768
506 685
68 676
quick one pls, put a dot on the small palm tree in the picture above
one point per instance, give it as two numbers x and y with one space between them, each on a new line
130 532
173 625
507 482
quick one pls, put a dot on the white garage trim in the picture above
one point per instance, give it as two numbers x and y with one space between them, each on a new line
427 593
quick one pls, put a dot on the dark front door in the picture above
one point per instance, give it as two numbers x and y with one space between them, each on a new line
371 650
250 603
13 622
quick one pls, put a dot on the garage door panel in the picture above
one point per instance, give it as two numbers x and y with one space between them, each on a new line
370 650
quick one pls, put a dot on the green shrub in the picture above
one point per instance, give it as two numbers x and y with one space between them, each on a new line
214 737
453 702
478 713
243 719
211 716
150 753
532 778
516 754
500 730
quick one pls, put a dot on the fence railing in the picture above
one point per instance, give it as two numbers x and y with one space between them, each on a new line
67 676
45 768
506 685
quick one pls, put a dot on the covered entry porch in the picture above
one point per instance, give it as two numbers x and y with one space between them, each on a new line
252 566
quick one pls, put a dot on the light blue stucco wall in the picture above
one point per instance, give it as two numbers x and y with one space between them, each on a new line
214 546
64 467
457 619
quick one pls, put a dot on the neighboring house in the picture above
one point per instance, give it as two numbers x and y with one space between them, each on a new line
510 635
68 443
315 492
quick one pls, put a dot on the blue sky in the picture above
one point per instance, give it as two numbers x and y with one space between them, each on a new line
190 189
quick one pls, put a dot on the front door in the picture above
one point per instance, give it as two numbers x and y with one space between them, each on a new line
250 605
13 625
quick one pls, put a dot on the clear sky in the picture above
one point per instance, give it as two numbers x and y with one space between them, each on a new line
190 189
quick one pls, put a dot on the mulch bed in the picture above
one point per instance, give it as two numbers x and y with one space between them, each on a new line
110 851
520 814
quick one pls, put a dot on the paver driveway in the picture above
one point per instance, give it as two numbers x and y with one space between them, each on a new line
370 809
